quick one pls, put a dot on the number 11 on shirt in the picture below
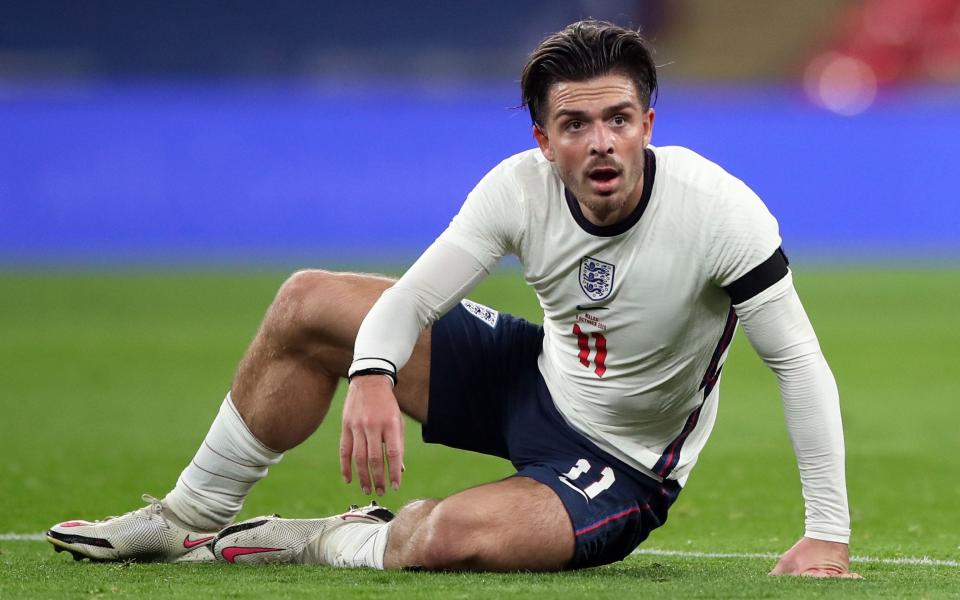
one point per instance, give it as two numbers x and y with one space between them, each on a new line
599 357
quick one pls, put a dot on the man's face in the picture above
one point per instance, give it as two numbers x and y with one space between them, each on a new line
595 132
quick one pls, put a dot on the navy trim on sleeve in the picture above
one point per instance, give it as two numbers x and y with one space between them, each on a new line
759 278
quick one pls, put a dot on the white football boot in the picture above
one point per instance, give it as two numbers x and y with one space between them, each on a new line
272 540
149 534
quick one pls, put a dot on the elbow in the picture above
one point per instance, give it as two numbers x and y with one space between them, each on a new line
795 359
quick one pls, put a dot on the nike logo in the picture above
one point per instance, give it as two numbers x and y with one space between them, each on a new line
582 307
74 524
566 482
358 516
188 543
230 554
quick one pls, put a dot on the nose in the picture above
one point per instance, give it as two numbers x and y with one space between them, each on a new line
601 142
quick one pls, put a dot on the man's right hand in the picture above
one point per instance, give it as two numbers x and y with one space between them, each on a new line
372 434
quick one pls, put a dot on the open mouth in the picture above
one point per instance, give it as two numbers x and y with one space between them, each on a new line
603 174
604 180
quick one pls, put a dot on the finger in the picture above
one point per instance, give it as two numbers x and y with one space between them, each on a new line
818 573
346 453
830 572
784 567
851 575
393 439
360 459
375 460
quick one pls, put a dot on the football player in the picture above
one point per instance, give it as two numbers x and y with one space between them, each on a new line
644 259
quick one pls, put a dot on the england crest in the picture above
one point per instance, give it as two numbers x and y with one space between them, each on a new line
596 278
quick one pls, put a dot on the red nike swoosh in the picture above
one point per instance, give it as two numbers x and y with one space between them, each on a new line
230 554
188 543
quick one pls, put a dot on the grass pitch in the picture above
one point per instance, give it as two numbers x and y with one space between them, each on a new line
109 382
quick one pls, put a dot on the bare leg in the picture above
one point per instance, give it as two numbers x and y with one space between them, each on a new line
517 524
284 387
281 393
286 380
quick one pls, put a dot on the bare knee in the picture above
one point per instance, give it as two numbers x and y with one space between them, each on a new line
299 303
320 306
448 540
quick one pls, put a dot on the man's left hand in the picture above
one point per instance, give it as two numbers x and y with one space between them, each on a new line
816 558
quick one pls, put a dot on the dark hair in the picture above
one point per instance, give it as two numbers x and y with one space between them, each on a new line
584 50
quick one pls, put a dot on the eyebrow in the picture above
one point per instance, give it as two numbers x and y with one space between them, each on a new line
579 114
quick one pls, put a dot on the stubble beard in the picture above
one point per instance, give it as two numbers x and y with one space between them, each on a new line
601 207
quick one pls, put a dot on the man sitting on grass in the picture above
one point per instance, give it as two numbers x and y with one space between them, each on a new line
643 258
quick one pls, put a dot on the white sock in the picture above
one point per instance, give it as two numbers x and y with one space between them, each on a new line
211 490
352 545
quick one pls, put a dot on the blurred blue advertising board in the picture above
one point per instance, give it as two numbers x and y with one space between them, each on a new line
162 172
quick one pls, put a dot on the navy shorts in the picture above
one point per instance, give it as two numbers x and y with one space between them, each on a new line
487 395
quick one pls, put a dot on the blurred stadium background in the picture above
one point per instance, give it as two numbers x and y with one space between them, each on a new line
296 132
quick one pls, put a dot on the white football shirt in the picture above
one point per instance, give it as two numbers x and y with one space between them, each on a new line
635 312
636 318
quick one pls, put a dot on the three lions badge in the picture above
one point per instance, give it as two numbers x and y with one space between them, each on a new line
596 278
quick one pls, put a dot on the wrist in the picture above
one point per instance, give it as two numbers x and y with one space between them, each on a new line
827 545
836 537
373 377
373 366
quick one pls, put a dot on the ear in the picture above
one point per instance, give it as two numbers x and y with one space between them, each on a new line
648 126
543 141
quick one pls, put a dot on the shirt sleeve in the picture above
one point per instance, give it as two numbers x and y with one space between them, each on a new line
486 228
778 328
437 281
490 222
742 233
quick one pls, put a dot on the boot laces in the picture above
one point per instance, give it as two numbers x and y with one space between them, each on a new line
153 508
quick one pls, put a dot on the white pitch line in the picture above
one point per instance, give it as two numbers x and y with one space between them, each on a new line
907 560
22 537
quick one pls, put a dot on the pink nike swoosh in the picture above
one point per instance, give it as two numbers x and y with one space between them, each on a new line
230 554
74 524
188 543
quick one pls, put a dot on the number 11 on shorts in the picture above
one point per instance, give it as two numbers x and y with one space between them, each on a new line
593 490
